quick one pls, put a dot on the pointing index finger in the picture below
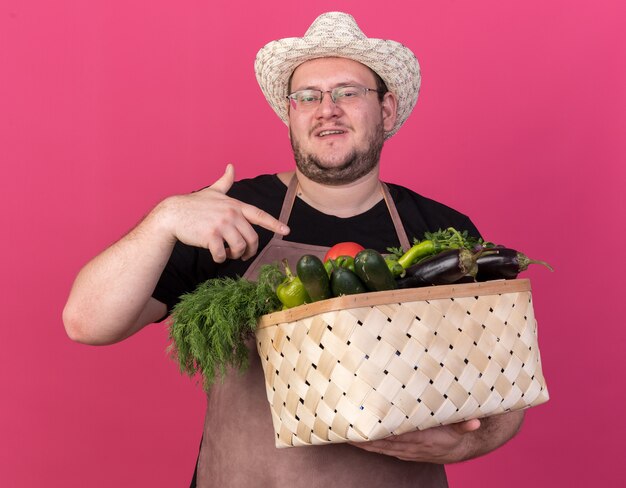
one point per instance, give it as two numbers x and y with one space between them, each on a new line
256 216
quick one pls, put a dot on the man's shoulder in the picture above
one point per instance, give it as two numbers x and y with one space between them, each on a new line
256 183
406 196
258 189
418 211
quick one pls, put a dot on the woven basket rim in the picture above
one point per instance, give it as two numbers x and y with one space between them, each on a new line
495 287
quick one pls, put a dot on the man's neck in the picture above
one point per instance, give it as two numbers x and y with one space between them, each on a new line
343 200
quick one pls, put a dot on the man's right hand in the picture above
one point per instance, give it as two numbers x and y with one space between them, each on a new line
212 220
111 298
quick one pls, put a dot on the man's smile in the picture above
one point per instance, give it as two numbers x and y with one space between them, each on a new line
329 131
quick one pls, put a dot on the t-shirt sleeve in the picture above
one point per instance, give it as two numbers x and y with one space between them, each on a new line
465 223
187 267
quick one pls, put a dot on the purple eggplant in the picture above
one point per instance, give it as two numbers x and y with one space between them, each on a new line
505 263
443 268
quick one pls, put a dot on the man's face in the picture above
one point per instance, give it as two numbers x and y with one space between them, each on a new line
336 144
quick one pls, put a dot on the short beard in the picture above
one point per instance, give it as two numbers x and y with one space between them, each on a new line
355 166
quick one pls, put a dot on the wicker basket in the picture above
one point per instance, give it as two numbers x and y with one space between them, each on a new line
363 367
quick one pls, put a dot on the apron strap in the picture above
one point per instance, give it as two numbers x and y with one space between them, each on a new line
290 197
395 217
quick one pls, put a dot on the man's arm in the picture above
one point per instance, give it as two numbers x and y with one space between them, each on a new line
450 443
111 298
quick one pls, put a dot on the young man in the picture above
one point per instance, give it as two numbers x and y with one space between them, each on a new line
342 95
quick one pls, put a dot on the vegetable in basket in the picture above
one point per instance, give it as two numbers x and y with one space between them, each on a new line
493 262
314 277
504 264
443 268
397 270
345 282
371 267
436 242
340 262
291 291
343 249
418 251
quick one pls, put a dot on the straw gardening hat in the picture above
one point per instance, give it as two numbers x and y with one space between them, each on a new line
336 34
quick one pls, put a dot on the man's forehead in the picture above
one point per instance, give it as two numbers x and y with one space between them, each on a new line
320 69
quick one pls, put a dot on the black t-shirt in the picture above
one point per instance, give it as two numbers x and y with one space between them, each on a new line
189 266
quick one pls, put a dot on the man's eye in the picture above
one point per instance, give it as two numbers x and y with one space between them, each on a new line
307 97
348 93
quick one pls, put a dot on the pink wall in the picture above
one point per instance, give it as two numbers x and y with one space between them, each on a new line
108 106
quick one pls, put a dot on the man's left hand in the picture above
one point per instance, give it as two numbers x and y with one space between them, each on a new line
449 443
434 445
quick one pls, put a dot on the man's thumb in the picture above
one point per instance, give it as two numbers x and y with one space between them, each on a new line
467 426
226 181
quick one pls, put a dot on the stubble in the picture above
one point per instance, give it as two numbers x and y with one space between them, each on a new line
354 166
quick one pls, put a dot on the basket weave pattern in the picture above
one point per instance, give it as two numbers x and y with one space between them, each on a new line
367 372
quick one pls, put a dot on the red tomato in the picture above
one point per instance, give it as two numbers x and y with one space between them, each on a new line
343 249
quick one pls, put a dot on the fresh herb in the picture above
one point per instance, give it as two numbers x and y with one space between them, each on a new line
395 252
438 241
211 324
451 238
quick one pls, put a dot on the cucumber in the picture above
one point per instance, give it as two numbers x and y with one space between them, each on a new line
345 282
371 267
314 277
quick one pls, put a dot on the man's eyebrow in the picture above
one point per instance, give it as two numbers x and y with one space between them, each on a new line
337 85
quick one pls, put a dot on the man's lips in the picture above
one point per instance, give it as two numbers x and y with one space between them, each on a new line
329 131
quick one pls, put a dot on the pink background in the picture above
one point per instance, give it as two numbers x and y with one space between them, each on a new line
108 106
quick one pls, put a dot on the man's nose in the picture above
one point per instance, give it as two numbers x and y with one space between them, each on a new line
327 107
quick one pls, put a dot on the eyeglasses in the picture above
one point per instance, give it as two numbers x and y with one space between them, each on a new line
342 95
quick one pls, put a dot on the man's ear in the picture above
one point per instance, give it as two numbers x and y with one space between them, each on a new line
390 110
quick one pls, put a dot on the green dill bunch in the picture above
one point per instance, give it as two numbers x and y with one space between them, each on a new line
210 325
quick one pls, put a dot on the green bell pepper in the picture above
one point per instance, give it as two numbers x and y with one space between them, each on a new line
339 262
291 291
